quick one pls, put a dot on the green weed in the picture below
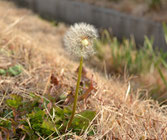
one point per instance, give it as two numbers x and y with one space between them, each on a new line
39 117
12 71
136 61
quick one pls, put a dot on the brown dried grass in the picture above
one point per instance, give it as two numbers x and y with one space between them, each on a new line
37 46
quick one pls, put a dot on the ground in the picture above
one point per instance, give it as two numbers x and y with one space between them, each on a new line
38 46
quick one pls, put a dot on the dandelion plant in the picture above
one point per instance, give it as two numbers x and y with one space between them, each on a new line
79 41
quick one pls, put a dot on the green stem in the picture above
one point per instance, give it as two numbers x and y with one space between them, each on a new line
76 93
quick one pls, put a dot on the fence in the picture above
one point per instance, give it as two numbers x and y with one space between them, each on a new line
122 25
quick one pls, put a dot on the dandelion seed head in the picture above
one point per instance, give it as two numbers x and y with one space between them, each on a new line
79 39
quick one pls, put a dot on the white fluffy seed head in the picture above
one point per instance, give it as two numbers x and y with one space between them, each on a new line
79 39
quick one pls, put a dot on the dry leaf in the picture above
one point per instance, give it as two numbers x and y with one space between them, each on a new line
54 80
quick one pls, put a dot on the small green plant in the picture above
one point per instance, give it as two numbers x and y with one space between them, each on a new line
2 72
39 117
125 54
136 61
12 71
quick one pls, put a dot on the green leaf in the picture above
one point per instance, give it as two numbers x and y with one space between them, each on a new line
36 117
48 125
18 98
67 111
28 131
12 103
5 123
162 76
63 96
35 97
2 72
15 70
59 112
81 121
15 102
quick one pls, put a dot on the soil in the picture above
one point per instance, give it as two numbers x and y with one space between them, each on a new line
140 8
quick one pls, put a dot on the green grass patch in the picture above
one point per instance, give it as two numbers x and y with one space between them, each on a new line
125 56
12 71
39 117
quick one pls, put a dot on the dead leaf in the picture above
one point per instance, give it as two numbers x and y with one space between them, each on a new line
84 96
54 80
70 98
87 92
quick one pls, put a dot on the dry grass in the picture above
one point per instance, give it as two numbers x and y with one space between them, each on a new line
37 46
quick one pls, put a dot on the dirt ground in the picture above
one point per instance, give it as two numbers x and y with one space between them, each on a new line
37 45
139 8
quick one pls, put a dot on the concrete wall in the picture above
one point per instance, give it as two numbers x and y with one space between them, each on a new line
122 25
